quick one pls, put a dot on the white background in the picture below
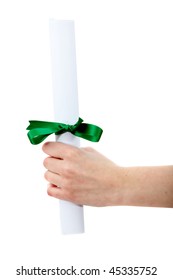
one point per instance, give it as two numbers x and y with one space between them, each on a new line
125 69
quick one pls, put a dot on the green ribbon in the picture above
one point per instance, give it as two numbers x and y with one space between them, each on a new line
40 130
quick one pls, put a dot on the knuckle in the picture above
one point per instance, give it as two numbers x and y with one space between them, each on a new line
88 149
73 152
69 194
68 171
67 183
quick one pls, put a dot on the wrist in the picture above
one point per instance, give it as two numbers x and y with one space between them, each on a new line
131 188
136 187
119 186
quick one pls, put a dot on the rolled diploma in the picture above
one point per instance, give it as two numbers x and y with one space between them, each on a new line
64 80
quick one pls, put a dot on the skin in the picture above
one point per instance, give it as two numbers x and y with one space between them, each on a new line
86 177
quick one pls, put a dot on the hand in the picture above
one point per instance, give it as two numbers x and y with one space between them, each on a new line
81 175
84 176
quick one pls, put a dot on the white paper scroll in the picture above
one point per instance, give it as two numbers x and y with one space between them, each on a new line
64 79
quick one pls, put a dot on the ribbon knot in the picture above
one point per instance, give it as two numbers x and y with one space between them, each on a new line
70 128
40 130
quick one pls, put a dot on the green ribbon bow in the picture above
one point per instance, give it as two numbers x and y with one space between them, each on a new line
40 130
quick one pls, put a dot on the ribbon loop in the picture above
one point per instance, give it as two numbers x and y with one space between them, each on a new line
40 130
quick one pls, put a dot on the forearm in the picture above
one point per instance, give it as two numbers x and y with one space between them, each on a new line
147 186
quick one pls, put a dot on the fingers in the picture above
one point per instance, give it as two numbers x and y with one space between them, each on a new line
58 149
56 192
55 186
64 165
54 165
53 178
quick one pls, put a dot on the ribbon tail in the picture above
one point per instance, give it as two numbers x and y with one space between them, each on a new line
38 135
89 132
